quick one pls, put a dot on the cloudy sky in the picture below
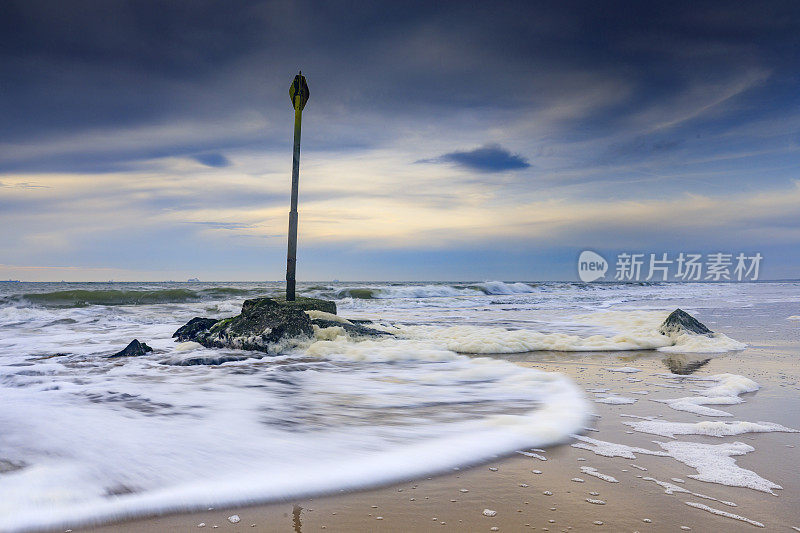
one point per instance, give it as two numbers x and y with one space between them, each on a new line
468 140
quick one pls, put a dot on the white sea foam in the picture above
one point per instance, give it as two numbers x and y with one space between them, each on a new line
474 339
624 369
534 455
437 290
314 313
641 325
636 330
611 449
712 429
331 414
725 390
671 488
499 287
591 471
724 513
691 343
616 400
195 437
714 462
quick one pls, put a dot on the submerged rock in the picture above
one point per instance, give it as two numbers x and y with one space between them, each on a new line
262 324
210 360
265 325
679 321
133 349
193 328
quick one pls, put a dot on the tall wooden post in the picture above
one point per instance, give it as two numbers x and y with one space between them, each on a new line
298 92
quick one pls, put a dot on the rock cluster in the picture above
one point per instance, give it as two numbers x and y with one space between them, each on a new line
266 324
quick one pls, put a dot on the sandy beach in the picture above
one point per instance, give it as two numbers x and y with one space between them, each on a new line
286 266
544 429
530 493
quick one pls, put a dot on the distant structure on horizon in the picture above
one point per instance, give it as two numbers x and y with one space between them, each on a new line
191 280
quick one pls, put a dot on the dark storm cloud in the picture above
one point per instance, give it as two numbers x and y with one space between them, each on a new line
83 66
489 158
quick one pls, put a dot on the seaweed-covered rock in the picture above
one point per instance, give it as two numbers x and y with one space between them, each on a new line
680 321
133 349
263 325
192 329
304 304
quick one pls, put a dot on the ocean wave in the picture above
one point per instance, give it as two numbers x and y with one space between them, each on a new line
85 297
435 290
628 330
196 458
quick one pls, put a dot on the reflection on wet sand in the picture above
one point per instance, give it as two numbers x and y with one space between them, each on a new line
296 510
684 364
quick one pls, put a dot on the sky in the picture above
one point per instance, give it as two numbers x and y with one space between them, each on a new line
461 140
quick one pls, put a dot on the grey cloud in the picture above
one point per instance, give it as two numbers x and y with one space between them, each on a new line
212 160
488 158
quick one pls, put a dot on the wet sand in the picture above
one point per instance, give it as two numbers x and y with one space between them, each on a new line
525 500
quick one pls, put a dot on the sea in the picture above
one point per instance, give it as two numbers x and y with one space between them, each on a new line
86 439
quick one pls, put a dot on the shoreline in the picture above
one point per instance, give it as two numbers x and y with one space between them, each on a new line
509 486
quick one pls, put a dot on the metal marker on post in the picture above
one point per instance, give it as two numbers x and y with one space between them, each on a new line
298 93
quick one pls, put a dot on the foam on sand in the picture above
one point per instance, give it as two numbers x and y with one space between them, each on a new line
624 369
714 462
533 454
174 436
641 324
724 513
591 471
671 488
712 429
611 449
616 400
725 390
629 330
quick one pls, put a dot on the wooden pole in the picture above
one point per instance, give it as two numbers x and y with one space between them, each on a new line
291 256
298 92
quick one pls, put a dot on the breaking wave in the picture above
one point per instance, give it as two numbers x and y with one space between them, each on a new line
340 415
86 297
435 290
627 330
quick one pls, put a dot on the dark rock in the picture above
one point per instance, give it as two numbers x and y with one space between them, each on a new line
262 324
210 360
680 321
193 328
303 303
352 328
133 349
7 465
